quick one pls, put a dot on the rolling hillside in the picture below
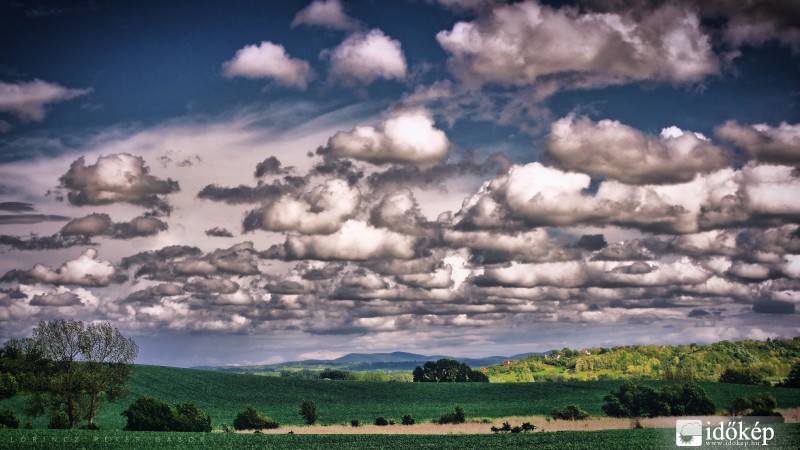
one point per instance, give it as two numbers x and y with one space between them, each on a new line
223 394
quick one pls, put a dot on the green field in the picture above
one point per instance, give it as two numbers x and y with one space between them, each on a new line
786 437
221 395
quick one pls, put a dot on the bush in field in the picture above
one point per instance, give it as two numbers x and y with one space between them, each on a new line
355 423
742 376
570 412
90 426
457 416
8 419
8 385
59 420
148 414
640 400
250 419
408 420
761 405
308 411
188 417
381 422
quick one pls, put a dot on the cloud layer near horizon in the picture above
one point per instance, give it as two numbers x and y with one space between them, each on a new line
369 226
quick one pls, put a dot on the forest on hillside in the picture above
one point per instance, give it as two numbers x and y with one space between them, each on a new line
770 361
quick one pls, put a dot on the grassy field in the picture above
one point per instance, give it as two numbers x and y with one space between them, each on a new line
222 395
786 437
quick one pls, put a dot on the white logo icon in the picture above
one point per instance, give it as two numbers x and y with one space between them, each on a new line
688 433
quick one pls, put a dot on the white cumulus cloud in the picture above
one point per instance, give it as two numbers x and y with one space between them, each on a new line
366 57
268 60
27 99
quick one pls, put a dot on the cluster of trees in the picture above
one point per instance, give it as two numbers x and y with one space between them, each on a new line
150 414
69 369
760 405
347 375
770 359
569 412
447 371
507 428
640 400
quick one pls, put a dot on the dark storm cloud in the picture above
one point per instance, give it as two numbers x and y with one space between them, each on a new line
338 167
53 242
270 166
218 232
62 299
17 207
30 218
180 262
631 250
244 194
592 242
434 177
116 178
778 145
774 307
101 225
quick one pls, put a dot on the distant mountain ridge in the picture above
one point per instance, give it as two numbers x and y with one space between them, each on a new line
366 362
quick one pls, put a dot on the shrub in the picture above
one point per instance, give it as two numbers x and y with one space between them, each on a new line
457 416
8 419
90 426
408 420
640 400
570 412
189 418
527 426
8 385
381 422
308 411
148 414
742 376
58 421
250 419
793 380
355 423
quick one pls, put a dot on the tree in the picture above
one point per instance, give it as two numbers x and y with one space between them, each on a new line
8 385
457 416
742 376
447 371
148 414
188 417
570 412
8 419
408 420
60 343
308 411
250 419
639 400
108 360
793 380
71 368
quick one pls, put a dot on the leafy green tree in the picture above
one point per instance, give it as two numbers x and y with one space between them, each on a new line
148 414
632 400
308 411
381 421
60 344
570 412
457 416
8 385
8 419
59 420
188 417
408 420
742 376
107 362
446 371
793 380
250 419
687 399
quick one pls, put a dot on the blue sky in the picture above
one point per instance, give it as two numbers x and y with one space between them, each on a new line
242 182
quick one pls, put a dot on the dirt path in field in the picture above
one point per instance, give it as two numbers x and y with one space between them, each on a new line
541 423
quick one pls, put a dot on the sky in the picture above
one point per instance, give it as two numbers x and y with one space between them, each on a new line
251 182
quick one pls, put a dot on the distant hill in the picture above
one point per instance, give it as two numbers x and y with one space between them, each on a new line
361 362
773 358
